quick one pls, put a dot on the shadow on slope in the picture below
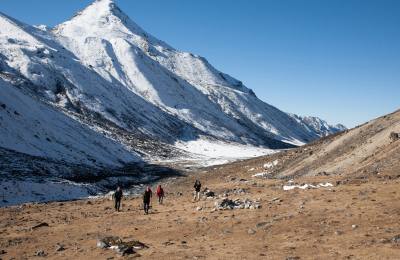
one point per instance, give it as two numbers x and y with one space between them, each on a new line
25 178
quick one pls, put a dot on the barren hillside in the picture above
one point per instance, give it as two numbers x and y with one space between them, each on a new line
363 151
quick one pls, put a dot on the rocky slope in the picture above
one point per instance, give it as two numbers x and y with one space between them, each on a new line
363 151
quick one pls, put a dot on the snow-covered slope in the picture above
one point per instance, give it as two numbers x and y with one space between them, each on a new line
122 94
183 84
317 126
59 77
32 127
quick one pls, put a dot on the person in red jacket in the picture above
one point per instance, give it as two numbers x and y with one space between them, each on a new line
160 194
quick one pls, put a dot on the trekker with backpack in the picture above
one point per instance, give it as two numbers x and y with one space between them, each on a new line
197 187
117 198
147 199
160 194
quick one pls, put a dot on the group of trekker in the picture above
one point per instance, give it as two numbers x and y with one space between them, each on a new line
148 194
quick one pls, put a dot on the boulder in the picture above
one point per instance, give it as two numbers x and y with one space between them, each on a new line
123 249
59 248
108 241
43 224
396 239
40 253
394 136
120 247
251 231
136 244
101 244
262 224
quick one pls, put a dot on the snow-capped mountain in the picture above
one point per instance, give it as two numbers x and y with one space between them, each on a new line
318 126
107 41
97 100
105 92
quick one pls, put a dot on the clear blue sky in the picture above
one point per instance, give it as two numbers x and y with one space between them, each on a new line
337 59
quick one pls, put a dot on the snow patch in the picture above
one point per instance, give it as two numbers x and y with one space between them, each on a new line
210 152
271 164
307 186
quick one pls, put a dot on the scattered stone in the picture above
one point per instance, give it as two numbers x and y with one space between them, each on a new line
277 199
227 231
236 204
208 193
338 232
43 224
251 231
59 248
199 208
261 224
396 239
136 244
354 226
168 243
235 191
384 241
122 248
101 244
2 252
40 253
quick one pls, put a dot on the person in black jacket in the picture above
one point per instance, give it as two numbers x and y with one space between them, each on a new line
147 199
197 187
117 198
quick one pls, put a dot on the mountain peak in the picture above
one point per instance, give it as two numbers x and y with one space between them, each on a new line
99 18
102 7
